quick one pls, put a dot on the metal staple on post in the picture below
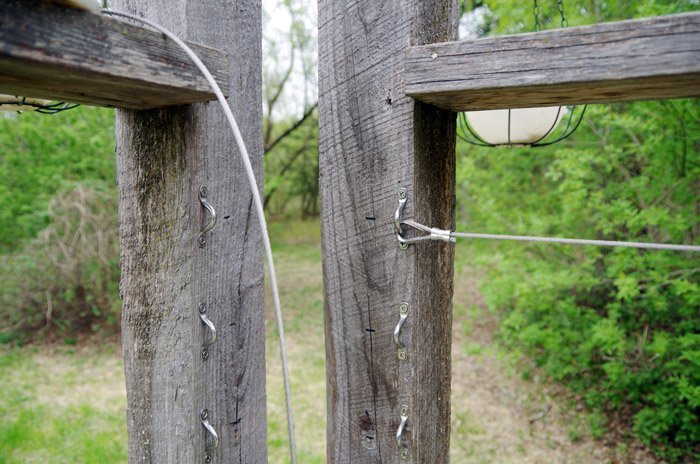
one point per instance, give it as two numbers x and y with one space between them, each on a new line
210 326
213 441
403 447
403 196
403 315
201 239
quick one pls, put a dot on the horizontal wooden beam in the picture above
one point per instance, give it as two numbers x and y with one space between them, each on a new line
644 59
55 52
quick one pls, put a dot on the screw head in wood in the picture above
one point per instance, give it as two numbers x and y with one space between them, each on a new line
201 241
402 193
402 354
203 191
403 308
202 308
404 410
204 415
404 454
403 246
205 353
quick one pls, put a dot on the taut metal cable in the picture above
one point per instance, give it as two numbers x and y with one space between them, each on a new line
451 236
240 143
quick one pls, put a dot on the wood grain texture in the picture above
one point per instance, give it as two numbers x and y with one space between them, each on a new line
164 155
629 60
374 139
56 52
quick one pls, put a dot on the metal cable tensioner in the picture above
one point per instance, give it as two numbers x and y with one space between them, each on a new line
433 233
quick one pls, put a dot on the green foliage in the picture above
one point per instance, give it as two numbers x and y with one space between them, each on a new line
515 16
58 226
620 326
290 125
66 427
39 155
291 172
67 278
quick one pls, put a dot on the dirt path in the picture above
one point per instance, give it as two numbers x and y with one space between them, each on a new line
497 417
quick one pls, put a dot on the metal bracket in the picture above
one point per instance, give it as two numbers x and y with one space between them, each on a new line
403 315
212 330
201 240
403 447
403 196
433 233
213 442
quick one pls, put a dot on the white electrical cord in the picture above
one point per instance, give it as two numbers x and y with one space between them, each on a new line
258 206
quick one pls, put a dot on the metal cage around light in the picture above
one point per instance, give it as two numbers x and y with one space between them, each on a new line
533 127
19 104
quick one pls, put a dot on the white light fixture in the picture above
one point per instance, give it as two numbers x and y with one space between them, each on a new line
519 126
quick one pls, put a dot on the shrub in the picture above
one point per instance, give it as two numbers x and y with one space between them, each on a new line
619 326
66 280
39 155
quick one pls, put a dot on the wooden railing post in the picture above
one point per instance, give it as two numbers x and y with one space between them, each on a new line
164 156
375 140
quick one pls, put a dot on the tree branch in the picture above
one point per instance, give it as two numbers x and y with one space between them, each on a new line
270 145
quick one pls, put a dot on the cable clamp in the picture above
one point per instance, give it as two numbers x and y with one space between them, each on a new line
431 233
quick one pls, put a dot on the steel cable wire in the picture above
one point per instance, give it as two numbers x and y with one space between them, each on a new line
438 234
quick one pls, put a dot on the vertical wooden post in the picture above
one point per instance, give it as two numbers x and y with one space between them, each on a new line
164 156
373 141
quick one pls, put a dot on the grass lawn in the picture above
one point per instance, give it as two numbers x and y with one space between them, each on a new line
67 403
62 405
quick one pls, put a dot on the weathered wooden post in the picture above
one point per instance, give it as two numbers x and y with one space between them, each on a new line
164 156
375 140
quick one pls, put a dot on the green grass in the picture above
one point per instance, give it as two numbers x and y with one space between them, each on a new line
60 407
298 264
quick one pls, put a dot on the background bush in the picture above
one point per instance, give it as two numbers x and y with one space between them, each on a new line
619 326
58 225
41 154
